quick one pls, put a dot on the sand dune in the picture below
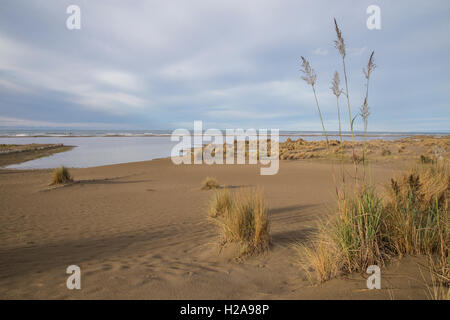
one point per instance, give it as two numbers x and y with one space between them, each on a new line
140 230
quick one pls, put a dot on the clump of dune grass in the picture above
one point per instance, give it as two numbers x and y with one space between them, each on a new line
411 218
320 258
210 183
438 288
246 222
356 231
350 241
417 211
61 175
220 203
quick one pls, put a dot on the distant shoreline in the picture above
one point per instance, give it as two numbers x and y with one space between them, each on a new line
16 154
151 135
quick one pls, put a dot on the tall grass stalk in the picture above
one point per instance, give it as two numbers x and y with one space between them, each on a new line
340 46
337 91
310 78
365 110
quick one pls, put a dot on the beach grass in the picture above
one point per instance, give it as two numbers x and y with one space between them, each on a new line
410 218
221 202
210 183
368 228
61 175
246 222
417 209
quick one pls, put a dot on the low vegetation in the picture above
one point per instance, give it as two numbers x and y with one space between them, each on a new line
220 203
425 159
416 210
410 218
61 175
243 218
421 148
210 183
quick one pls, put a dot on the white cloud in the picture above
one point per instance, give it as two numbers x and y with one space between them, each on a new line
356 51
230 114
119 79
215 62
11 86
321 51
118 103
84 88
18 122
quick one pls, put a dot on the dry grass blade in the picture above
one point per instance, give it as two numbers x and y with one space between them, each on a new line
339 42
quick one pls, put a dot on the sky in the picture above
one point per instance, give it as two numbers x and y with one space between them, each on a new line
232 64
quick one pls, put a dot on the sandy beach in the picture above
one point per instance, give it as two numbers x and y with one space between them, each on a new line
223 151
141 231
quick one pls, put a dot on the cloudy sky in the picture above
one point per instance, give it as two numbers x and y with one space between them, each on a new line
164 64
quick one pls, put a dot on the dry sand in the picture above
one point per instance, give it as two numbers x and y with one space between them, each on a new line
140 230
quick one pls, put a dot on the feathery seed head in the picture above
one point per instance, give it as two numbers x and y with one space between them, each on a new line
309 74
365 112
339 43
335 85
370 66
